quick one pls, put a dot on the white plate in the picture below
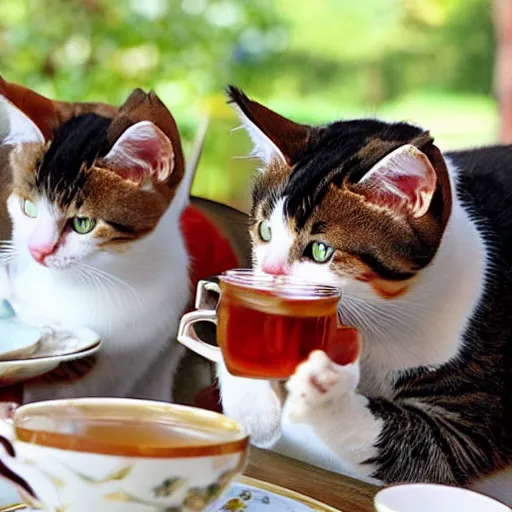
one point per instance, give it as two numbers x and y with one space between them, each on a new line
55 346
17 340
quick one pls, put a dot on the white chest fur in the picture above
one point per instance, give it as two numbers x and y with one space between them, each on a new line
133 299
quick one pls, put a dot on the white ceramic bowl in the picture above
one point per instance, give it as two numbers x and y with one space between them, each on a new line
434 498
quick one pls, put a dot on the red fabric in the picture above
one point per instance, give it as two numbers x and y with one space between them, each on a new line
209 398
210 254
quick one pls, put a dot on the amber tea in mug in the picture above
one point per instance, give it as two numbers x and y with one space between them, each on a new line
268 325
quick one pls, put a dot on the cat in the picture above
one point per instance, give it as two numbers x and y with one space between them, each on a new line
421 245
95 203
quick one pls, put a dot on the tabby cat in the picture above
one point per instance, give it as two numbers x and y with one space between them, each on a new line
421 244
95 206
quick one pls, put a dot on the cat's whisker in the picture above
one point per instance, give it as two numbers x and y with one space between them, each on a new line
7 257
113 280
353 316
84 277
109 288
122 300
378 321
94 279
99 287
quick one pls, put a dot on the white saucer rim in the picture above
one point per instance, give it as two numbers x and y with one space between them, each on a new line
93 344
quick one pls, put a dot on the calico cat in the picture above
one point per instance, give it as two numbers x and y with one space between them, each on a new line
421 245
95 202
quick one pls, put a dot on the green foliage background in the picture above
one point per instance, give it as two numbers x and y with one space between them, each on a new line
430 61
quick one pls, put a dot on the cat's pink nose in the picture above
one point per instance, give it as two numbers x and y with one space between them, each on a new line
275 267
41 251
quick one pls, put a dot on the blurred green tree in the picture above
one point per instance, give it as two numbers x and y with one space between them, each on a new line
314 61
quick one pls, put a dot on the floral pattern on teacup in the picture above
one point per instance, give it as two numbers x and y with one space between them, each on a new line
61 481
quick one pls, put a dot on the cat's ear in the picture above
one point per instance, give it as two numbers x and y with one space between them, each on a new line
15 127
141 106
273 135
403 180
46 114
142 152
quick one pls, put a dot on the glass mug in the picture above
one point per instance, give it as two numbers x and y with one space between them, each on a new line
267 325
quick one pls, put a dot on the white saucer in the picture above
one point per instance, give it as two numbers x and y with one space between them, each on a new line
17 340
55 346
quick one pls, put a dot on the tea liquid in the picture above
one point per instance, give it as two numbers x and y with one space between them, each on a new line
128 434
266 336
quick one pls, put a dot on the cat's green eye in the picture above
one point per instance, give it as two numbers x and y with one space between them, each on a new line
29 209
83 225
265 231
321 252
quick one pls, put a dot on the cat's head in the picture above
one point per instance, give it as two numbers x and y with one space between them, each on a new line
87 179
359 203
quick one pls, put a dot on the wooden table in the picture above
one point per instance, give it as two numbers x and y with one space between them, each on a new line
338 491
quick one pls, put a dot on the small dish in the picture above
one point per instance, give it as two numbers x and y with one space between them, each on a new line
55 346
251 495
18 340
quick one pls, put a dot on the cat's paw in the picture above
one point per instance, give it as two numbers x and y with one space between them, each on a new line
316 384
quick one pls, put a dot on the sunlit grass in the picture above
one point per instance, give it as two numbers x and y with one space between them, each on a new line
455 120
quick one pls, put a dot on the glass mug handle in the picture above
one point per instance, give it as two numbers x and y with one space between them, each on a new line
187 336
204 299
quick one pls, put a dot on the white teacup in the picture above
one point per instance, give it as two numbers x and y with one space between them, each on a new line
119 455
434 498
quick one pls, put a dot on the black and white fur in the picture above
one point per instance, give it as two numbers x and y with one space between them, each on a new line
430 398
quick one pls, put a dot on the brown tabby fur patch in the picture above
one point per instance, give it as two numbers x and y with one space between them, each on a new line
79 135
319 180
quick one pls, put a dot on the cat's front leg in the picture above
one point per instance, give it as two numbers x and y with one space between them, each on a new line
411 438
254 403
323 395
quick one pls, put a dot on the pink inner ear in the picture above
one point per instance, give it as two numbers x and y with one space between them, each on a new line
403 180
143 151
